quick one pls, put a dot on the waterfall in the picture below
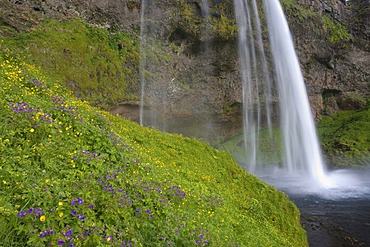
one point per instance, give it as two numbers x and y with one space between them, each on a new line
206 27
300 144
271 80
153 91
143 32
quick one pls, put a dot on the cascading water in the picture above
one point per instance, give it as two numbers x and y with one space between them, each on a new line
206 24
300 144
143 31
160 82
271 77
253 67
268 80
153 89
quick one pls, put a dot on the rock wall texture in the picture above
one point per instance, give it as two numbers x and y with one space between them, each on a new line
339 72
189 79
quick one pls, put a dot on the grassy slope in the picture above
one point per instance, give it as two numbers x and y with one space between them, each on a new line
345 137
101 67
72 173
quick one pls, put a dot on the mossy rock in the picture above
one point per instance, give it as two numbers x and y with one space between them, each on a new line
221 20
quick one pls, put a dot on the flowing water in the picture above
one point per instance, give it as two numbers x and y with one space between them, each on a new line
335 205
302 155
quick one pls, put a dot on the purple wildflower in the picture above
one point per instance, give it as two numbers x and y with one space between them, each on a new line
38 211
91 206
68 233
44 234
81 217
73 212
73 202
80 201
21 214
60 242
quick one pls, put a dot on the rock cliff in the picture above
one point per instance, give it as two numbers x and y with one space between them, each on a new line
335 65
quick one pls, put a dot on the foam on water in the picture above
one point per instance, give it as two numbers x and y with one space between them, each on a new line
340 184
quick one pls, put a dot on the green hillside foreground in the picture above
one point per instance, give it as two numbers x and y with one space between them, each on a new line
72 175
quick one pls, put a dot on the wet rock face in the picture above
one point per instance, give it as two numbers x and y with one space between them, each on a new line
122 14
342 67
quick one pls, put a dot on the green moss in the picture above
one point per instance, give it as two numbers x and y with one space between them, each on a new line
223 23
101 67
100 177
336 31
269 149
297 12
345 137
224 27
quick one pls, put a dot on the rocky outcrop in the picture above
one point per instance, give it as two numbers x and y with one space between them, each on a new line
121 14
192 81
335 71
334 62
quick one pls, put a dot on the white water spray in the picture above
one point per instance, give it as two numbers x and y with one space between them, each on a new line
143 31
153 89
302 151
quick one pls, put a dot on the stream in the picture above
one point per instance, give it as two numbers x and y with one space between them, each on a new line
335 223
336 216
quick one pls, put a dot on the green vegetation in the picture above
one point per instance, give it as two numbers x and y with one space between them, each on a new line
223 26
72 175
269 149
293 9
345 137
101 67
336 31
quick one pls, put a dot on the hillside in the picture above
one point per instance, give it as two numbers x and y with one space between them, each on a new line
93 49
75 175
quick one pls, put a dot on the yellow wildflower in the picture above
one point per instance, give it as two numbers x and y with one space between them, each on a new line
61 214
42 218
60 203
32 130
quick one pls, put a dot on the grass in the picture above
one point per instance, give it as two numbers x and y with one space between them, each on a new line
101 67
73 175
269 149
345 137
